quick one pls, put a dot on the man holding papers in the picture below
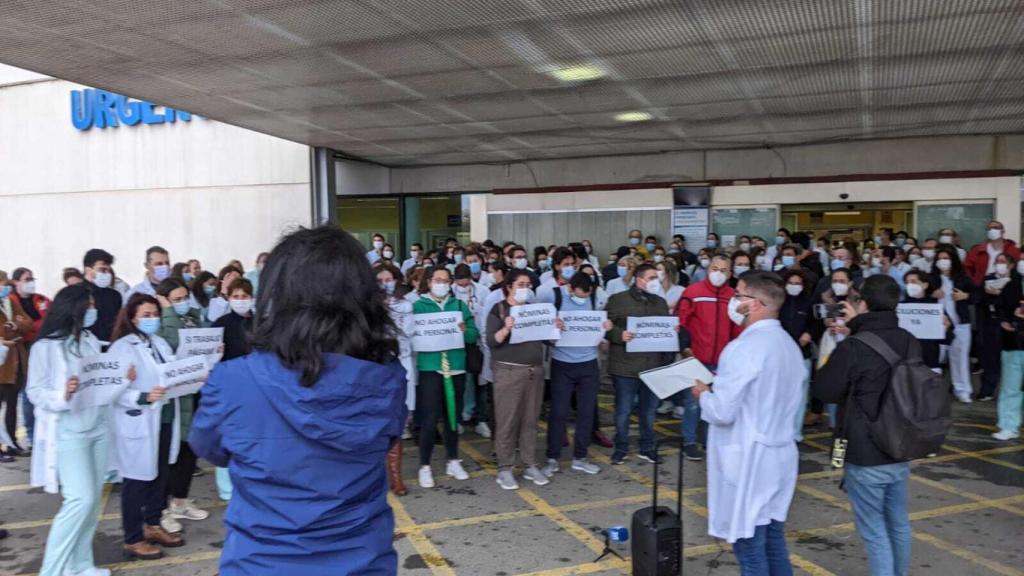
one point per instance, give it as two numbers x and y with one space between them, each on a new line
752 454
643 299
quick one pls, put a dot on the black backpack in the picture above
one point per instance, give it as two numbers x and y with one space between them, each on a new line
558 298
914 413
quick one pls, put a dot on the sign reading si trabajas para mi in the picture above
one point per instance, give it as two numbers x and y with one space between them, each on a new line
101 379
201 342
924 321
653 334
437 332
184 377
582 328
534 322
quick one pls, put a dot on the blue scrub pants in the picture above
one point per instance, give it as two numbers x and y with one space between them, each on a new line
1010 393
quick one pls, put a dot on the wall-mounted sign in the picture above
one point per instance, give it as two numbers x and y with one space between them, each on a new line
101 109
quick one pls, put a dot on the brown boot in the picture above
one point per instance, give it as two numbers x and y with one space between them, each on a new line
157 535
142 551
395 470
810 418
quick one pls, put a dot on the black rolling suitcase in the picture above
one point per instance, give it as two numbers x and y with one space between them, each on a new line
658 535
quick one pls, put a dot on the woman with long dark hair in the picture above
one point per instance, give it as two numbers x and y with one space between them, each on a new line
309 417
203 288
958 292
71 444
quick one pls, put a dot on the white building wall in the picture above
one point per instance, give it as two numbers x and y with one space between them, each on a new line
201 189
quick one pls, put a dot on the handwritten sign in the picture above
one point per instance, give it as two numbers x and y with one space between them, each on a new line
201 342
582 328
184 377
653 334
534 322
922 320
101 379
437 332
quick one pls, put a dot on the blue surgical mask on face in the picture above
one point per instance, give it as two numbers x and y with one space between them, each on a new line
712 243
90 317
780 240
474 267
634 241
149 326
580 300
837 264
181 308
209 290
458 258
568 271
900 242
622 271
788 261
161 272
650 246
188 277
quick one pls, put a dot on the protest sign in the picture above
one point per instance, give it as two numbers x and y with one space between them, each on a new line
183 377
653 334
534 322
101 379
582 328
201 342
437 332
922 320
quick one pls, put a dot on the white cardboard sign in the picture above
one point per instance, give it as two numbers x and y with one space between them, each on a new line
583 328
184 377
201 342
101 379
653 334
922 320
534 322
437 332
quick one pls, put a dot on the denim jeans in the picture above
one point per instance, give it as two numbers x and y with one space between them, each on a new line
1010 394
879 498
765 553
626 390
691 416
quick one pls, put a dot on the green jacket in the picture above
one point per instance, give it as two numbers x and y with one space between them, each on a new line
621 306
431 361
170 324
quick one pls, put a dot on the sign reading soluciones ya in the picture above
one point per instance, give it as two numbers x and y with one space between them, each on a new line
101 109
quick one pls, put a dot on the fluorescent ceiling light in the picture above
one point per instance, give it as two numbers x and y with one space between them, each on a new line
635 116
580 73
842 213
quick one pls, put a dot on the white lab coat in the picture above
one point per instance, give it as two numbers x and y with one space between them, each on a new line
48 373
219 306
401 314
137 427
752 455
617 286
144 287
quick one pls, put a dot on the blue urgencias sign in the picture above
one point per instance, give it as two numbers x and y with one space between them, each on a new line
92 107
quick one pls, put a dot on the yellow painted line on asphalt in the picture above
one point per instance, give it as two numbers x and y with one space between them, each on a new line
572 528
808 566
966 507
824 496
473 520
588 568
985 458
964 494
15 488
428 552
966 554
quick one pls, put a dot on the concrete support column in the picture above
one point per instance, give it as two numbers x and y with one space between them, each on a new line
323 188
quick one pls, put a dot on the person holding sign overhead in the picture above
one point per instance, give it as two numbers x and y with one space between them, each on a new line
642 299
146 432
71 449
442 379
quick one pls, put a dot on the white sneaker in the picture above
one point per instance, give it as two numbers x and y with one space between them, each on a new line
456 470
189 511
426 477
678 412
665 407
462 429
1006 435
585 466
964 398
94 571
167 522
507 480
406 433
536 476
551 468
483 430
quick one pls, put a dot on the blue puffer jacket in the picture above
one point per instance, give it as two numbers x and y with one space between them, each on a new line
307 464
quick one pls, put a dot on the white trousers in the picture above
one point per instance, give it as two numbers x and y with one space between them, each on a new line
960 360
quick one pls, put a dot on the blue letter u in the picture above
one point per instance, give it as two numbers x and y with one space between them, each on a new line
82 105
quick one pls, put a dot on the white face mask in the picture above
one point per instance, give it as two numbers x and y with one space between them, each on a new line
241 307
378 244
840 289
928 254
745 246
760 261
915 290
415 254
876 262
1002 269
735 315
661 275
704 262
440 289
717 278
521 263
523 295
103 279
945 239
794 289
659 258
389 254
739 270
944 264
653 287
995 234
28 288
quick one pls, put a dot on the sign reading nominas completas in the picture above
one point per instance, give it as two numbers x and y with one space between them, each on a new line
437 332
653 334
534 322
101 379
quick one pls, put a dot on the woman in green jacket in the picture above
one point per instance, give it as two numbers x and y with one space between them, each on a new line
442 378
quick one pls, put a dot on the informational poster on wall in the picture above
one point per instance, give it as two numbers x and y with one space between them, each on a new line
690 214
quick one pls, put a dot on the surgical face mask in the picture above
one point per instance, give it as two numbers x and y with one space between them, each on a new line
745 246
149 326
995 234
580 300
1020 267
415 254
458 258
90 317
389 286
840 289
440 289
945 264
161 272
734 314
878 240
928 254
378 244
760 261
711 243
188 277
866 257
717 278
460 290
837 264
474 267
704 262
543 265
568 271
650 246
794 289
241 307
780 240
915 290
788 261
634 241
388 254
653 287
521 263
659 257
876 261
181 308
523 295
28 288
900 242
622 270
209 290
1002 268
778 267
739 270
661 275
945 239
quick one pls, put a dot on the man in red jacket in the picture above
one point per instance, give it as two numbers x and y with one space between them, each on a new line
704 319
982 257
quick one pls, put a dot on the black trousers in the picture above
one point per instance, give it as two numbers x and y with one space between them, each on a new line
9 398
180 480
990 350
583 379
143 502
431 406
